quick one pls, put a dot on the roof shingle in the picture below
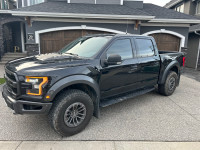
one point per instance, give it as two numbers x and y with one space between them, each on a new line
63 7
147 10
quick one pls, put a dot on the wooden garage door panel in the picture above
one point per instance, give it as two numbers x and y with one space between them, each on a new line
72 34
167 42
54 41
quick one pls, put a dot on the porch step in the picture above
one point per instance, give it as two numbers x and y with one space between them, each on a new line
15 54
11 56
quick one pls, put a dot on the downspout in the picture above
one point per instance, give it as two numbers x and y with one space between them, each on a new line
198 50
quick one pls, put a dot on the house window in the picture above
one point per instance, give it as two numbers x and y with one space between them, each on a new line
4 4
198 8
31 2
180 8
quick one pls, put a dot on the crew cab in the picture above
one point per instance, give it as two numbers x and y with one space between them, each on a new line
91 72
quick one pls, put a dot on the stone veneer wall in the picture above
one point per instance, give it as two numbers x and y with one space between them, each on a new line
32 49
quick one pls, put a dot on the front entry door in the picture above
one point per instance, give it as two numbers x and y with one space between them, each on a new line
118 79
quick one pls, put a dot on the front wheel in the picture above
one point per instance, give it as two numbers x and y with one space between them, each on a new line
71 112
170 84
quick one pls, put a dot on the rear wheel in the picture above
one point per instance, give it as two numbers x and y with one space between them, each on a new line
71 112
170 84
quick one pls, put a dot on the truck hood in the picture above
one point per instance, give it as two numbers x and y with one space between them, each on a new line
45 62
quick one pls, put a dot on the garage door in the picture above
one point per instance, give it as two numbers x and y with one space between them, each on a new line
54 41
167 42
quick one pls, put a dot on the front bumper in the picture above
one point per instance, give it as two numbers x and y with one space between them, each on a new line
25 107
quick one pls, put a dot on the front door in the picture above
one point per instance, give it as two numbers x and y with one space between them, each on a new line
118 79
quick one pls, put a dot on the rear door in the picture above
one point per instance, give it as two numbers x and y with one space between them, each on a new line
148 62
118 79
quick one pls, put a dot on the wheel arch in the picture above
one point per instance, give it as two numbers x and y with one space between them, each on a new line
81 82
173 66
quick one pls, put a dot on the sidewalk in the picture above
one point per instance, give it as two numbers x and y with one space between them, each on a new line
97 145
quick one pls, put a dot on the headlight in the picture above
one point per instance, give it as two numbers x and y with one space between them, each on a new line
37 85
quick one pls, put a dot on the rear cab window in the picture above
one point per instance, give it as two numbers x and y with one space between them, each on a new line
145 47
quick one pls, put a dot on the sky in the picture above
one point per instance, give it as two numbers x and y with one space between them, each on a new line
157 2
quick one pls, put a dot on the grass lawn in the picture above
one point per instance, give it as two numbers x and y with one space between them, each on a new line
2 81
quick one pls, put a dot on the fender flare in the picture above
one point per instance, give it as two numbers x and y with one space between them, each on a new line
165 73
76 79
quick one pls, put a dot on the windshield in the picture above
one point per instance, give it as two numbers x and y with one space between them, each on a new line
86 46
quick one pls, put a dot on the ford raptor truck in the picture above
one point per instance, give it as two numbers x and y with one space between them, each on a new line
93 71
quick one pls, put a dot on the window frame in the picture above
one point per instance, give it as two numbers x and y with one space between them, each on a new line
113 41
137 48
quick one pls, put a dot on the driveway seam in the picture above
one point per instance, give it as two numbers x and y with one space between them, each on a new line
18 145
184 110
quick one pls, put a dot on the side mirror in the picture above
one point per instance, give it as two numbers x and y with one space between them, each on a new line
113 59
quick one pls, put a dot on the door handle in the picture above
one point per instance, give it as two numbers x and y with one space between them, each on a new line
133 69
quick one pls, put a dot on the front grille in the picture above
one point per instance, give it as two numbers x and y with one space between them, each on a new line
11 82
10 76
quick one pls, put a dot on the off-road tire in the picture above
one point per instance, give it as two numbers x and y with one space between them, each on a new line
164 88
61 103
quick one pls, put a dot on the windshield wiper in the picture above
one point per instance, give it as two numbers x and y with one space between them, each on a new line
71 54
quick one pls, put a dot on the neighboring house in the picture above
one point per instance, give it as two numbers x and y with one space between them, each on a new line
190 7
52 24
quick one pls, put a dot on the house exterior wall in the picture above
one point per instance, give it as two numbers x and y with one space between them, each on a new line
181 30
32 47
193 47
192 10
36 26
187 7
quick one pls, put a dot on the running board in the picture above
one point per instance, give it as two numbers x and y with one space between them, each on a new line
109 101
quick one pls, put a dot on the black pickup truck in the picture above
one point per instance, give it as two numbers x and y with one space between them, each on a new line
91 72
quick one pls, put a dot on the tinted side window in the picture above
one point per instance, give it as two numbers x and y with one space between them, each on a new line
145 48
122 48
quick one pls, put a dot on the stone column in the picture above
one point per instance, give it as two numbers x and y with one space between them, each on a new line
32 49
1 41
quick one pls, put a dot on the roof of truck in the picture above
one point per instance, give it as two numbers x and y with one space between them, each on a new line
117 35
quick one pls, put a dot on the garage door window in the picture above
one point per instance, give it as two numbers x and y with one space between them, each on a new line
145 48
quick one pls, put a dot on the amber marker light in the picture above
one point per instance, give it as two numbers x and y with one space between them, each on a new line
47 97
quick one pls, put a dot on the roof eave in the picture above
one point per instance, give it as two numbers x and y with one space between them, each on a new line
189 21
74 15
5 12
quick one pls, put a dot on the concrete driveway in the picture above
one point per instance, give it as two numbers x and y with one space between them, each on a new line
150 117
